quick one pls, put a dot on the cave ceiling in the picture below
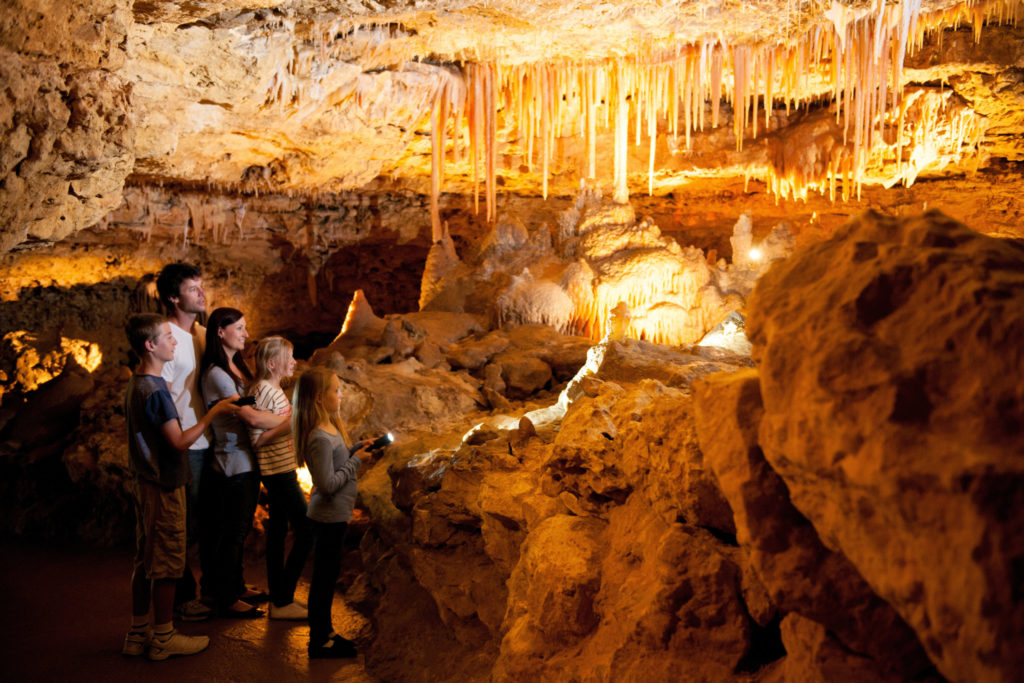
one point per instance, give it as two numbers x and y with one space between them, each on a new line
531 98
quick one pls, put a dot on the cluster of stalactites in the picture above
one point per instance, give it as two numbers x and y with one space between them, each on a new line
856 56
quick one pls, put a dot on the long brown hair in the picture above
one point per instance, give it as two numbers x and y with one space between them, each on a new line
214 353
308 410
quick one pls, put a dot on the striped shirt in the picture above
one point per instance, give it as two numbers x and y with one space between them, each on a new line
278 455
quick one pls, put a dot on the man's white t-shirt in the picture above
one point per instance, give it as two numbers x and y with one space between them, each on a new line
182 376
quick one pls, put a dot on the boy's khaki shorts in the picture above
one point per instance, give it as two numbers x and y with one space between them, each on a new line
160 531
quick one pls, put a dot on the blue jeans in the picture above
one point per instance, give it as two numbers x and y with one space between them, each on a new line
327 554
227 506
287 505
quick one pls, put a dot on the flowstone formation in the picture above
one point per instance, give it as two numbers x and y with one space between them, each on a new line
597 258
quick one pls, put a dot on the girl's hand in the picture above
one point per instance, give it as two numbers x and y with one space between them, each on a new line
359 446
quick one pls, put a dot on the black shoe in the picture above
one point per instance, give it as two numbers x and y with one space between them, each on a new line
251 613
253 595
335 648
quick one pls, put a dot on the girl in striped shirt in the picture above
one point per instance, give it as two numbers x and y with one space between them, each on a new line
287 502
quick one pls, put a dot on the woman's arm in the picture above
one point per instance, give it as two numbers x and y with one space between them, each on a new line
321 465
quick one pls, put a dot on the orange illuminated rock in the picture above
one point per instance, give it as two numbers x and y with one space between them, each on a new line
790 561
889 365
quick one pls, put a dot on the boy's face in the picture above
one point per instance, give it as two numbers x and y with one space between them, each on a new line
162 346
192 298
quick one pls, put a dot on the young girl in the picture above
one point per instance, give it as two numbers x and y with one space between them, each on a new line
230 487
276 456
322 445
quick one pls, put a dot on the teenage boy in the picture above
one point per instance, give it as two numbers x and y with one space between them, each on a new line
156 446
180 287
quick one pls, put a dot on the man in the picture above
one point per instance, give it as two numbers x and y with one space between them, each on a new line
180 287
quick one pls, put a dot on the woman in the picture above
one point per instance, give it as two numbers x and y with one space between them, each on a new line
230 489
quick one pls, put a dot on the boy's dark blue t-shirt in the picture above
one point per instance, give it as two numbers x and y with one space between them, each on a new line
148 406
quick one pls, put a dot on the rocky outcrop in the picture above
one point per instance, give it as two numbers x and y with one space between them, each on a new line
66 127
888 360
594 543
800 575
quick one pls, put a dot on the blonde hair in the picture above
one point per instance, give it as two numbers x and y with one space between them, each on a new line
267 350
308 410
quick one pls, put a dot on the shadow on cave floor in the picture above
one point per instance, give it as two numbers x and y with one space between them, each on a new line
65 611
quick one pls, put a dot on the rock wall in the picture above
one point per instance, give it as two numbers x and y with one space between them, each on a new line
66 122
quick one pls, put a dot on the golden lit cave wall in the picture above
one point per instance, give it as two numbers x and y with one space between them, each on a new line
849 57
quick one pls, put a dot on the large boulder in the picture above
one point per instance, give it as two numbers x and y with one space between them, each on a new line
785 554
889 360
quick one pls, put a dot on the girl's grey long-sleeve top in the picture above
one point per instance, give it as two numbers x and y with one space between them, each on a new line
333 470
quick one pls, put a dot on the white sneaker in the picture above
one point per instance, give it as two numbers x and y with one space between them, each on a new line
193 610
292 610
176 644
135 642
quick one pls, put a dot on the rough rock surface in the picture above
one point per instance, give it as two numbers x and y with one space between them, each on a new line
889 362
592 546
798 572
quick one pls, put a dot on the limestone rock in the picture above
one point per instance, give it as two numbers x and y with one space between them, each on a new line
667 612
412 642
403 396
785 553
814 655
552 593
492 378
524 376
889 369
564 354
52 411
496 401
475 353
419 475
429 353
68 142
631 360
398 339
637 441
672 610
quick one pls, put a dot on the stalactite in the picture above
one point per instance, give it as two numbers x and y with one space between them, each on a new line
591 105
860 51
477 113
621 187
492 123
436 167
545 126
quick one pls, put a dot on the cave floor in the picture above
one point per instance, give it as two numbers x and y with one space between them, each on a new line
66 609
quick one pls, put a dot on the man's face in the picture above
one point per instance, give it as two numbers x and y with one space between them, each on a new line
192 298
163 345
